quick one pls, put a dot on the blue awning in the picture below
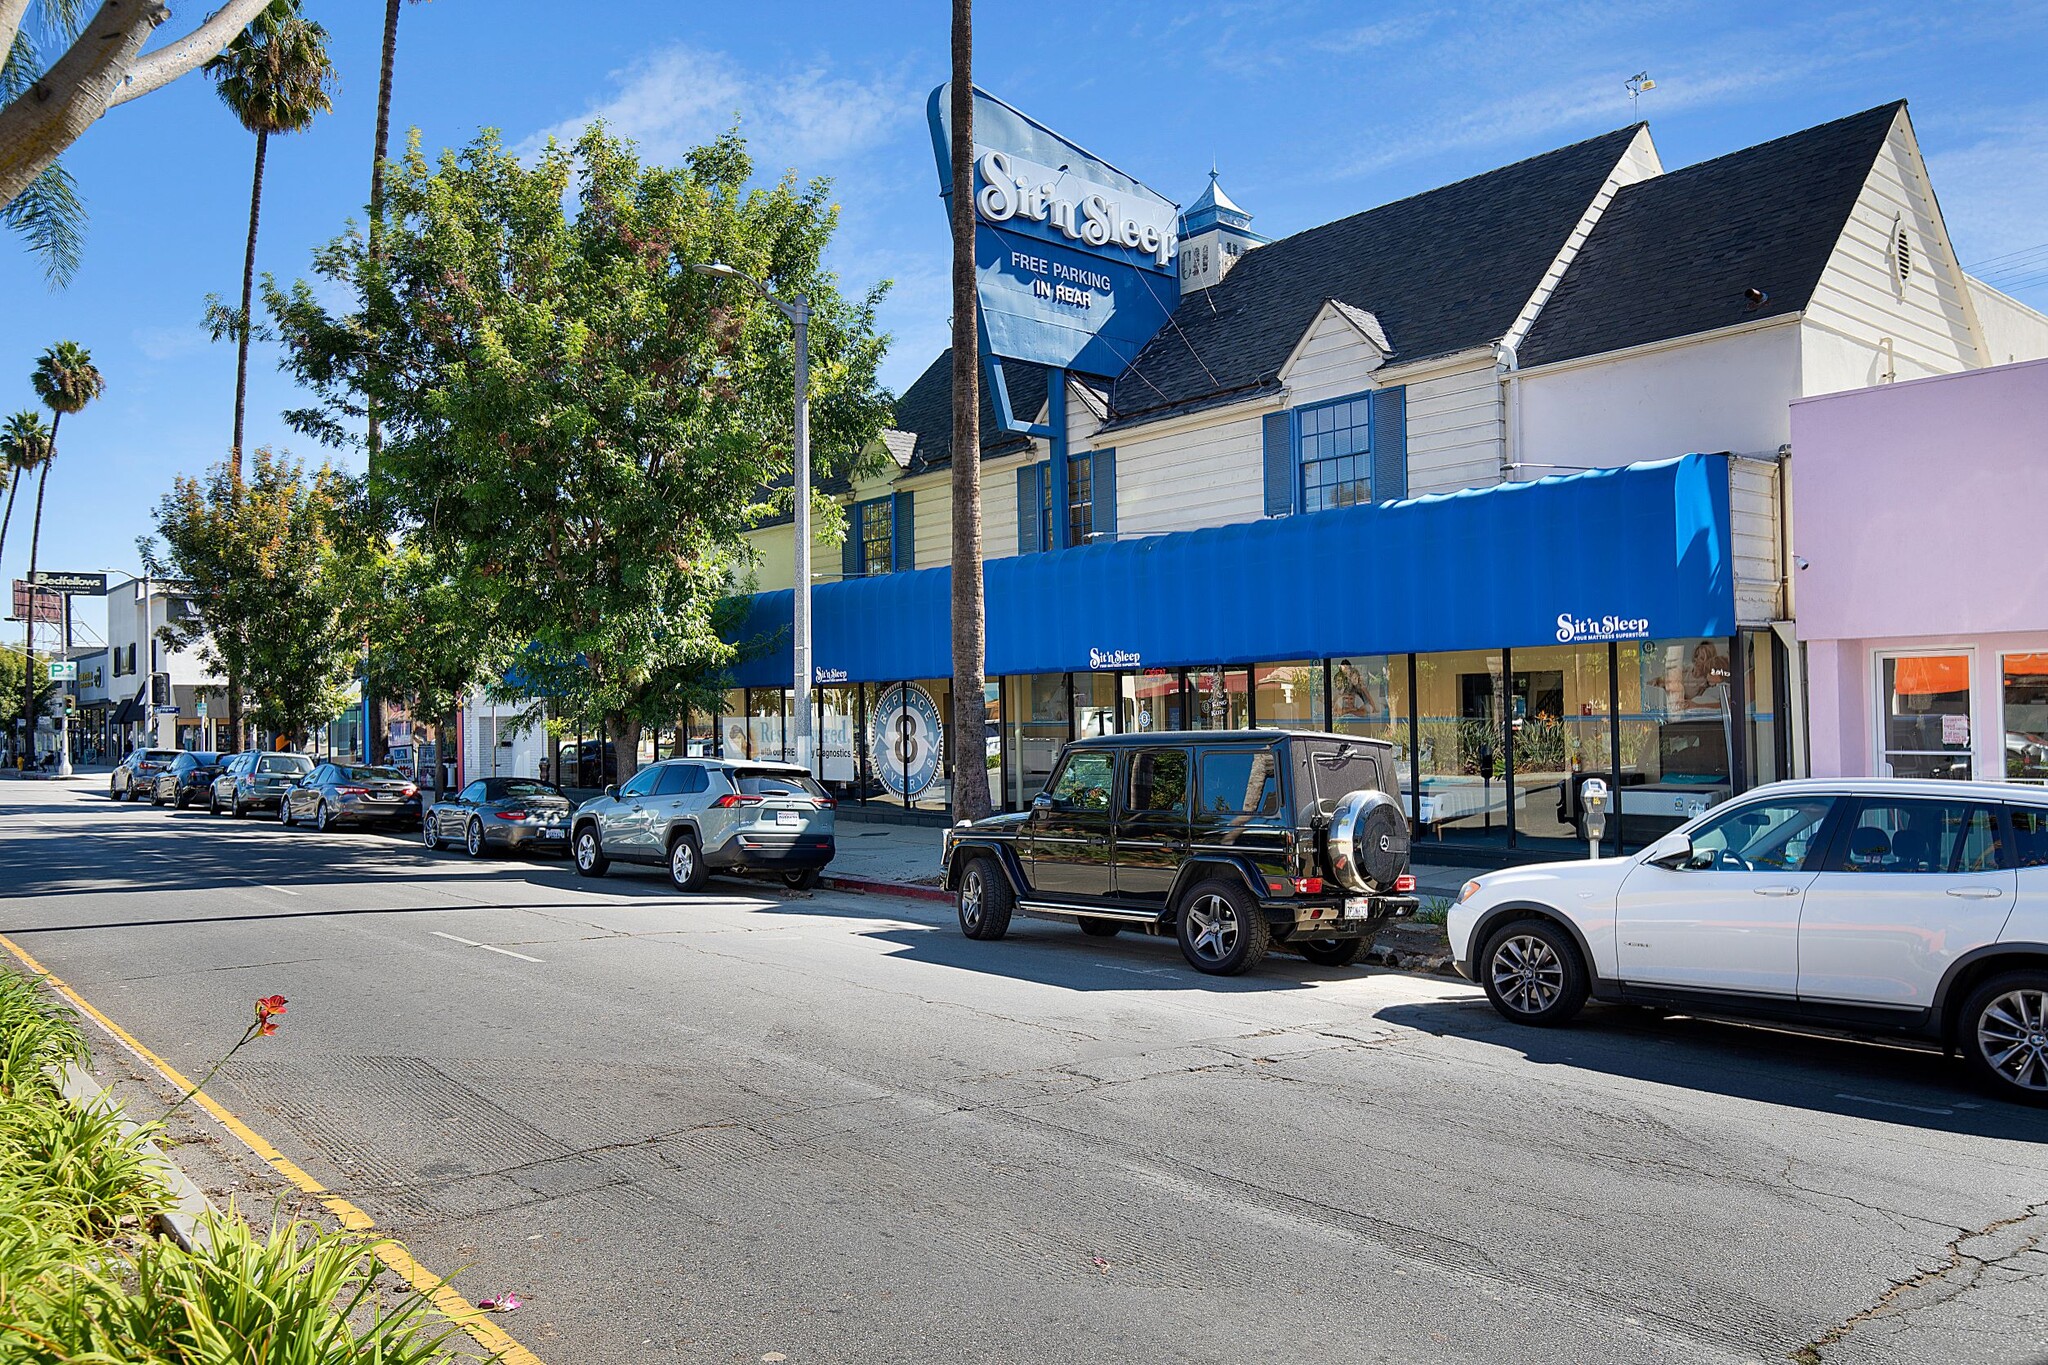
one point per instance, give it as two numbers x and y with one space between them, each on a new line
1640 552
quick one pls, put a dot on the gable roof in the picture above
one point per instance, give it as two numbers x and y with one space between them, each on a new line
1674 254
926 411
1444 271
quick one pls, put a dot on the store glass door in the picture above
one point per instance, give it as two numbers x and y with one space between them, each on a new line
1923 715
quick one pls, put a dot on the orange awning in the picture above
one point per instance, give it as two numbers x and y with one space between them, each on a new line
2026 665
1931 675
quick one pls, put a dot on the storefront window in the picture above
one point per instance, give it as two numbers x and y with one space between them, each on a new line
1288 696
1095 705
1369 697
732 725
935 748
2026 717
766 707
1219 699
1924 715
1034 728
1461 744
1760 700
1677 732
1151 702
836 743
701 730
1558 715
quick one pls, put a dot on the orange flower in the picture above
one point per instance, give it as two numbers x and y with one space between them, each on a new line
267 1010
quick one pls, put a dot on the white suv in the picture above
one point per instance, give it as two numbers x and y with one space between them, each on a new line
1916 909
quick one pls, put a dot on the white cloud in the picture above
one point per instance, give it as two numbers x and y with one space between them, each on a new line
681 97
169 343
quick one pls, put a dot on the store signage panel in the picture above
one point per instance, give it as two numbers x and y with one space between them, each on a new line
49 603
1581 630
1076 263
72 584
65 671
906 740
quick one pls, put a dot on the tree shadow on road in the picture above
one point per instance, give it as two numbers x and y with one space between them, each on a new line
1057 955
1871 1081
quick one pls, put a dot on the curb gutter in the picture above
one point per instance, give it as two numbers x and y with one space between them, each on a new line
869 886
183 1222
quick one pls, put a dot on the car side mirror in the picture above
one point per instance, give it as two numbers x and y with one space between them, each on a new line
1673 851
611 789
1045 801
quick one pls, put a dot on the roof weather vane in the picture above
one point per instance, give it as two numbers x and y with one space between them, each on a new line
1636 85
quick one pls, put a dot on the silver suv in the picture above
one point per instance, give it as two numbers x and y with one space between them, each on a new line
700 815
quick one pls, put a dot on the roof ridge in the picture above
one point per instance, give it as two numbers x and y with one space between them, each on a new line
1796 135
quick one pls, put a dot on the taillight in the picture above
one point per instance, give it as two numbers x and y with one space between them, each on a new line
511 815
409 790
1309 886
351 791
1405 882
731 799
1295 886
824 803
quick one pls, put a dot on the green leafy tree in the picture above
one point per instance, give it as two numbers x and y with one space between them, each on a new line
576 429
276 78
256 555
24 447
66 380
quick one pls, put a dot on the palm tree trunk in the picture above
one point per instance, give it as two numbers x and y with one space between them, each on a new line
28 629
13 487
970 626
377 166
248 288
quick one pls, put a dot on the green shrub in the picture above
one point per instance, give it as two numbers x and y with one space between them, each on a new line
1435 910
38 1036
79 1165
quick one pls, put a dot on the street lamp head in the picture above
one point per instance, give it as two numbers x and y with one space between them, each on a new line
717 268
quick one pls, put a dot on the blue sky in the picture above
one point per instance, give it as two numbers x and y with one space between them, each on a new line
1313 110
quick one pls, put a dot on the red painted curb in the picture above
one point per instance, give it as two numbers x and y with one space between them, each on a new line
916 893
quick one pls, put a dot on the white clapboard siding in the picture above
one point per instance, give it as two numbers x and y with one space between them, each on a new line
1207 475
2012 331
1333 361
1754 531
1859 297
1454 430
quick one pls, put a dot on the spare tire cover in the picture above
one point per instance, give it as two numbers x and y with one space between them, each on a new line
1368 842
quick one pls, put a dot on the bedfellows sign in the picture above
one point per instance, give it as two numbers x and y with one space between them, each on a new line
1076 262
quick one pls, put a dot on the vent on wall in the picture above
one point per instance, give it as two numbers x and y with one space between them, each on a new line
1902 253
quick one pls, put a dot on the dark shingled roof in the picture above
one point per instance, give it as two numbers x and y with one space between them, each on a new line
1443 271
1674 255
926 411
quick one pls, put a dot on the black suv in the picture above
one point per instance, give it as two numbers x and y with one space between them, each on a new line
1230 841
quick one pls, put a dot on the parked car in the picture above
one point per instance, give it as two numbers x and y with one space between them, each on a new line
184 778
135 776
701 815
1230 842
501 812
351 793
1915 909
255 779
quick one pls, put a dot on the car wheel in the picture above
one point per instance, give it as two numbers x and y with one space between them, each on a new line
1101 928
1221 929
156 796
184 800
2005 1036
1331 952
1533 974
235 807
686 863
590 859
473 839
112 795
321 823
984 900
213 803
801 881
430 834
284 812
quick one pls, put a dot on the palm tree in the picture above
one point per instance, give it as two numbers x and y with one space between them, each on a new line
276 77
377 160
970 624
24 445
66 380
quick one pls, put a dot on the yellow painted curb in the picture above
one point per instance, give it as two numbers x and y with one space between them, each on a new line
458 1309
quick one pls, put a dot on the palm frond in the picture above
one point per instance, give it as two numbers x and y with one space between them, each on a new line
51 216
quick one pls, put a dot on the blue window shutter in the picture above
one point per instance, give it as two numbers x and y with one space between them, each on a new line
903 533
1279 465
1390 444
1102 482
1030 496
849 549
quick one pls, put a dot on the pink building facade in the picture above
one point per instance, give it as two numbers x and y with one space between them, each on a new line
1920 540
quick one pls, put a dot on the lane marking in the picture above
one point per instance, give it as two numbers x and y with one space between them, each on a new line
489 948
453 1306
1893 1104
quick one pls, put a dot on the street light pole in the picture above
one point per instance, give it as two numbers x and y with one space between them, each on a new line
798 311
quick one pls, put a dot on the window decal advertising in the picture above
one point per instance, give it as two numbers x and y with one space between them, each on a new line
906 740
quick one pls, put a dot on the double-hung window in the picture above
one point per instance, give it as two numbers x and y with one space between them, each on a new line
1335 445
1086 515
879 536
1338 454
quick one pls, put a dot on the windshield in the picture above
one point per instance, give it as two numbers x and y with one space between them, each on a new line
501 789
205 760
284 763
367 774
161 755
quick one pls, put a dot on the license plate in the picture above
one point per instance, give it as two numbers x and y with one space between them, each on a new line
788 817
1357 907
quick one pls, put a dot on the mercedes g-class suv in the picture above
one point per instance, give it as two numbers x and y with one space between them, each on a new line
1229 841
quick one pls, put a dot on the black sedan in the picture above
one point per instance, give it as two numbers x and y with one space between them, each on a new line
501 812
185 779
351 794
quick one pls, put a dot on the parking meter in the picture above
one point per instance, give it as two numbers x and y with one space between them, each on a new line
1593 800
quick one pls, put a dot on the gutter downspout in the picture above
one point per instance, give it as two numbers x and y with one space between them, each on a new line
1787 629
1508 365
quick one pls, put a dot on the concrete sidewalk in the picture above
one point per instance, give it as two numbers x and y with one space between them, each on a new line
875 856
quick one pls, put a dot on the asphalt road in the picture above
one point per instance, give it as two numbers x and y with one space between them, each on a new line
749 1126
